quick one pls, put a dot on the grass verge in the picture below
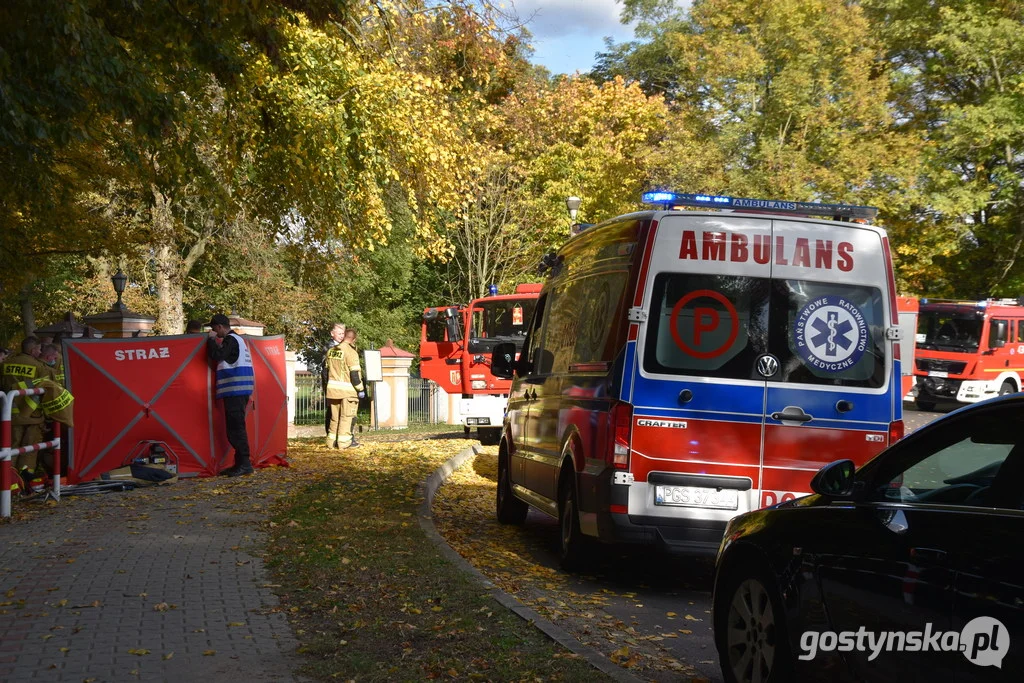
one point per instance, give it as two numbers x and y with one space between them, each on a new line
369 595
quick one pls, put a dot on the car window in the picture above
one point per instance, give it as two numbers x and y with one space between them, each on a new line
972 461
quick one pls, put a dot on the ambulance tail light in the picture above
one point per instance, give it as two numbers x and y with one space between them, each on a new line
621 426
895 431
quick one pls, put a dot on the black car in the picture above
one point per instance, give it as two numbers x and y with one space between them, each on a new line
909 569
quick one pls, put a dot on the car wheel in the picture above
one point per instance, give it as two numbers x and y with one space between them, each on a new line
927 406
510 509
752 640
572 544
1007 388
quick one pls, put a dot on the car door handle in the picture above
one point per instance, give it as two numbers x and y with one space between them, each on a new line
792 414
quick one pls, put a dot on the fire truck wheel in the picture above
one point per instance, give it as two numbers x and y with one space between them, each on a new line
1007 388
466 430
510 509
572 547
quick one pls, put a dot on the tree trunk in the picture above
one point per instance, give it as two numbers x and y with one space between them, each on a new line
28 316
169 290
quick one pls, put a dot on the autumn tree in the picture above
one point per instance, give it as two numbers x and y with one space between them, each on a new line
961 84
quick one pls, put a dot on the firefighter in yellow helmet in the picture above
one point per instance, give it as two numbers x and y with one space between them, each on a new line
23 371
344 389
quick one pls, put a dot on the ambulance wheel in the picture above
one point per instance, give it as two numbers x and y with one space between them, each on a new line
751 638
572 546
510 509
927 406
489 436
1007 388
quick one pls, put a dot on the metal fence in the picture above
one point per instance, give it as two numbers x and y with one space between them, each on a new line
426 405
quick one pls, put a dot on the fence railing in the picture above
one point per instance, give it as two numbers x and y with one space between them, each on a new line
425 401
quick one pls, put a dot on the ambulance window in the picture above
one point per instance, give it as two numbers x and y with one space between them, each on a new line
707 325
598 302
823 333
563 325
534 350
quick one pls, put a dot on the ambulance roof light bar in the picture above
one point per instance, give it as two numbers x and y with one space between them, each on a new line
836 211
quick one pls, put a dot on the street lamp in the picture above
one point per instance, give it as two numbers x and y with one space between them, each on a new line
120 280
573 205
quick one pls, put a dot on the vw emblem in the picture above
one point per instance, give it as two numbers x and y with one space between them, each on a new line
767 365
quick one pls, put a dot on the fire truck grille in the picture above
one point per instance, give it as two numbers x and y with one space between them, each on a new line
953 367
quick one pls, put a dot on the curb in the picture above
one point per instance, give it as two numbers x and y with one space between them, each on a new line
556 633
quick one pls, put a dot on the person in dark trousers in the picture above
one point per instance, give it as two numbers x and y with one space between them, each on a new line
235 383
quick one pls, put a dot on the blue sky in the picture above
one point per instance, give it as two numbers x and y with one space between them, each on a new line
567 33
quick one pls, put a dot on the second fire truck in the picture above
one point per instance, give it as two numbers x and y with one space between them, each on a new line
455 352
968 351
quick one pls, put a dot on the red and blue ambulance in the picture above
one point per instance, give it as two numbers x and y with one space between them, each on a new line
689 363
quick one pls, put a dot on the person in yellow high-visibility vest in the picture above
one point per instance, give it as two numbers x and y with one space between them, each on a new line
344 389
24 371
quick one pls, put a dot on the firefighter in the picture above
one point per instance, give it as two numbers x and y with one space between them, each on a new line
344 389
337 336
23 371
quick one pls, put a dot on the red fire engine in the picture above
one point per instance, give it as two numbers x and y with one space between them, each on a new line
455 351
968 351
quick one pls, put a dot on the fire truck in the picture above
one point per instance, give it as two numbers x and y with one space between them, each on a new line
968 351
455 352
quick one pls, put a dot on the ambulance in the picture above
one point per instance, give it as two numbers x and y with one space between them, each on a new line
693 362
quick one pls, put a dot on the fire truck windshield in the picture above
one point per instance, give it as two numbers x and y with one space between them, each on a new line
949 330
499 320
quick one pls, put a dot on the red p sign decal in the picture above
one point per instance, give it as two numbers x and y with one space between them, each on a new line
704 320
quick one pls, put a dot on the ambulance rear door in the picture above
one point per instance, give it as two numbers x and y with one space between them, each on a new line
831 393
698 399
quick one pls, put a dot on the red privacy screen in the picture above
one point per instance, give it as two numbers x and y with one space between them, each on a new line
161 389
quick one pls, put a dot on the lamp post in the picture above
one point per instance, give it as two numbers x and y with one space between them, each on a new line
572 204
120 280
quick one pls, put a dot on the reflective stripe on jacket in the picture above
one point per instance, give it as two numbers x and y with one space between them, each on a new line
238 378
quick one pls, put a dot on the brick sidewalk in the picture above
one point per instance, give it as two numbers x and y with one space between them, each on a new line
169 570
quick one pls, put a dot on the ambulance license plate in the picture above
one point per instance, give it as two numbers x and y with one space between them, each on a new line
697 497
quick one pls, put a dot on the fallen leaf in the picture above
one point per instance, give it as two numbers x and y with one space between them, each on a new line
237 623
209 653
139 651
161 607
168 656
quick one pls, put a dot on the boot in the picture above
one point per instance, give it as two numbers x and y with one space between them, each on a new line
240 469
332 442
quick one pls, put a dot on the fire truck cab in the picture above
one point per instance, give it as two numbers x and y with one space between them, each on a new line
455 347
968 351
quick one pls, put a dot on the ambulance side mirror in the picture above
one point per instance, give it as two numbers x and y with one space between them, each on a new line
503 360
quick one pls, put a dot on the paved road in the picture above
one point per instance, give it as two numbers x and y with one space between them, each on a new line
639 592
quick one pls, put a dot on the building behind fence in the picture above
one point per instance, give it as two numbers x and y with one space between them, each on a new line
428 404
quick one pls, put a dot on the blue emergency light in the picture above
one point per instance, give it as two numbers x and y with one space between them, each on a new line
836 211
492 290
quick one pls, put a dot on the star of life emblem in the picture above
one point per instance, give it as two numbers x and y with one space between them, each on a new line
831 333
